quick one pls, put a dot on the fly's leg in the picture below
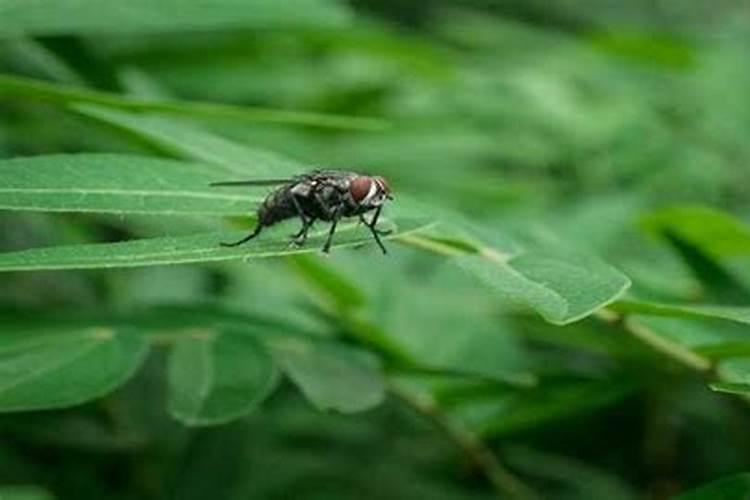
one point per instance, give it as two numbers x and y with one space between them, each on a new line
247 238
375 232
301 236
334 221
374 221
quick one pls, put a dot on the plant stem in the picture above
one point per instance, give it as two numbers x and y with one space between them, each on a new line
643 333
505 483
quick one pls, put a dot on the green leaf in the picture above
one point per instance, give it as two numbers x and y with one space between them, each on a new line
715 231
729 488
731 388
24 492
331 376
562 287
49 368
19 17
191 142
118 184
509 412
218 377
64 95
202 247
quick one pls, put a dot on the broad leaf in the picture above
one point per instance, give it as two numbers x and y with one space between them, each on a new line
331 376
202 247
562 287
191 142
118 184
31 17
52 368
215 377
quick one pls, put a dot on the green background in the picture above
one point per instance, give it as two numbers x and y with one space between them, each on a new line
564 311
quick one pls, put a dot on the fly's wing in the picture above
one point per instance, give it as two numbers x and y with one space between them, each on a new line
258 182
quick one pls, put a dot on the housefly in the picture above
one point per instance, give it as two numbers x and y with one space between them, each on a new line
326 195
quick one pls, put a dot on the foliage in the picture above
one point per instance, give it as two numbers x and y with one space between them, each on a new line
563 312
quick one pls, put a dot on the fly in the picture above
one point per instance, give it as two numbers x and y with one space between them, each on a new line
326 195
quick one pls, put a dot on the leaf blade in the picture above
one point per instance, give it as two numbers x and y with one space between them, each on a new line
203 247
217 377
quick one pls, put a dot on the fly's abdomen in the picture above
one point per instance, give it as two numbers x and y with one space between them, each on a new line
276 208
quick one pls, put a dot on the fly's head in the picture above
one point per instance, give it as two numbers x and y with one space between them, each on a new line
369 191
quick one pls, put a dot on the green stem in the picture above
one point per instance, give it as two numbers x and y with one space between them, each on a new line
659 343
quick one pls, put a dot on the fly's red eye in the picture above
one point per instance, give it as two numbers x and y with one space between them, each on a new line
360 188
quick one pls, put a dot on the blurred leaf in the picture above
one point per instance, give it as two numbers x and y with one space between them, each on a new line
202 247
713 230
344 292
729 488
117 184
719 284
62 95
552 401
19 17
190 142
737 314
578 479
332 377
25 493
53 368
218 377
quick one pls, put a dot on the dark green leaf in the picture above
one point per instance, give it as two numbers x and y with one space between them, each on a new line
729 488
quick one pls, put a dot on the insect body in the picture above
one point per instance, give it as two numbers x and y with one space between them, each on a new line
326 195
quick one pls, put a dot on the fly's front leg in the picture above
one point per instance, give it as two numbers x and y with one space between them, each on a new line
374 221
375 232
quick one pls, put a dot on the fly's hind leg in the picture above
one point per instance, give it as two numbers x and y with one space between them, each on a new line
247 238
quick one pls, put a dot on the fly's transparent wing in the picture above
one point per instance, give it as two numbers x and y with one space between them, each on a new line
258 182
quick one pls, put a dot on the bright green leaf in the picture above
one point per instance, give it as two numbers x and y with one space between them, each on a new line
202 247
32 17
218 377
118 184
